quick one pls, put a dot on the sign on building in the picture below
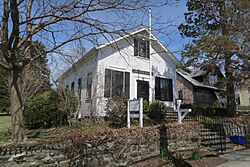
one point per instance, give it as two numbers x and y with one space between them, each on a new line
135 110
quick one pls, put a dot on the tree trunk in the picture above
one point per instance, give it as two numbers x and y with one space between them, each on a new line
16 108
231 104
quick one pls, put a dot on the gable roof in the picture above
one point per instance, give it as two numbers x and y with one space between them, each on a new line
95 48
153 38
194 82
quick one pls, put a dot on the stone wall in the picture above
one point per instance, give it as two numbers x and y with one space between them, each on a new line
109 148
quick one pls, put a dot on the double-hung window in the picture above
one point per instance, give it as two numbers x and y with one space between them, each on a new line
141 48
163 89
116 83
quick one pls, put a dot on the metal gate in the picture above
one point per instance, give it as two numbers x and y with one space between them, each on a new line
220 136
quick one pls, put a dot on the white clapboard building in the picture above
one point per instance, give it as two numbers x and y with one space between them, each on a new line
122 67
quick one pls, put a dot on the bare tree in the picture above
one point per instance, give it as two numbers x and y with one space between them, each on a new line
56 23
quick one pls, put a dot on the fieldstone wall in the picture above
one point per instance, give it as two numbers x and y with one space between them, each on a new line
119 147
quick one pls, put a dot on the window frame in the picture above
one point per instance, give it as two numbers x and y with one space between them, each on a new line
108 86
89 84
180 95
159 91
137 44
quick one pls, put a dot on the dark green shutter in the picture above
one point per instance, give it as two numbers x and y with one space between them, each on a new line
147 50
135 47
127 84
170 89
107 85
157 88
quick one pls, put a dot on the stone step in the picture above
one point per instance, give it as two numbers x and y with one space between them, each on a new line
205 133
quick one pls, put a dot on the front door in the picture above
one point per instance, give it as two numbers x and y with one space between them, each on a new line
142 89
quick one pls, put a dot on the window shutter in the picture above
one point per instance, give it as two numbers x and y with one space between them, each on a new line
107 85
127 84
147 50
170 89
157 88
135 47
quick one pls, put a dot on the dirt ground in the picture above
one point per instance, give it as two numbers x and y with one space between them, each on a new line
211 161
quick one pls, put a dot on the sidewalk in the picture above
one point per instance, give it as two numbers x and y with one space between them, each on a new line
237 159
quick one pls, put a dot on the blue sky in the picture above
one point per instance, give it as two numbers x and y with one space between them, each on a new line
174 42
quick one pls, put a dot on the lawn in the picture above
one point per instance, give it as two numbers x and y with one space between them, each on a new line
45 134
4 128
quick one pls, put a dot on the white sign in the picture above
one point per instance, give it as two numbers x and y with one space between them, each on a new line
135 110
134 106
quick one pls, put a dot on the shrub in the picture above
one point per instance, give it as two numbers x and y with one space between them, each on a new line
157 110
209 111
244 107
67 101
196 155
116 109
145 106
42 111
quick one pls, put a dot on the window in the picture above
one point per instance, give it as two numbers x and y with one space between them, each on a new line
79 89
204 96
89 85
116 83
213 79
180 95
72 86
248 89
141 48
163 89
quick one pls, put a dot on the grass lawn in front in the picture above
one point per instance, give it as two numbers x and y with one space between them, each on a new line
38 135
4 128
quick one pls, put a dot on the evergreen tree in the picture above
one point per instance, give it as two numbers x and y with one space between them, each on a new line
36 78
221 36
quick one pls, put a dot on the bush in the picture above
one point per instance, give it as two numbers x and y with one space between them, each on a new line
244 107
145 106
42 111
116 109
157 110
67 101
209 111
196 155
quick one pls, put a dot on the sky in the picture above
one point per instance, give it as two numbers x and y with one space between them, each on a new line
174 42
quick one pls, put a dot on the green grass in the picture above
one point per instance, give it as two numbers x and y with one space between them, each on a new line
4 128
46 134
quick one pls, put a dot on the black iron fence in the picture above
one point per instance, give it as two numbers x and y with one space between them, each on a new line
217 133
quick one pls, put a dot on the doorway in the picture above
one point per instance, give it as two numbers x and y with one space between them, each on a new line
143 89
